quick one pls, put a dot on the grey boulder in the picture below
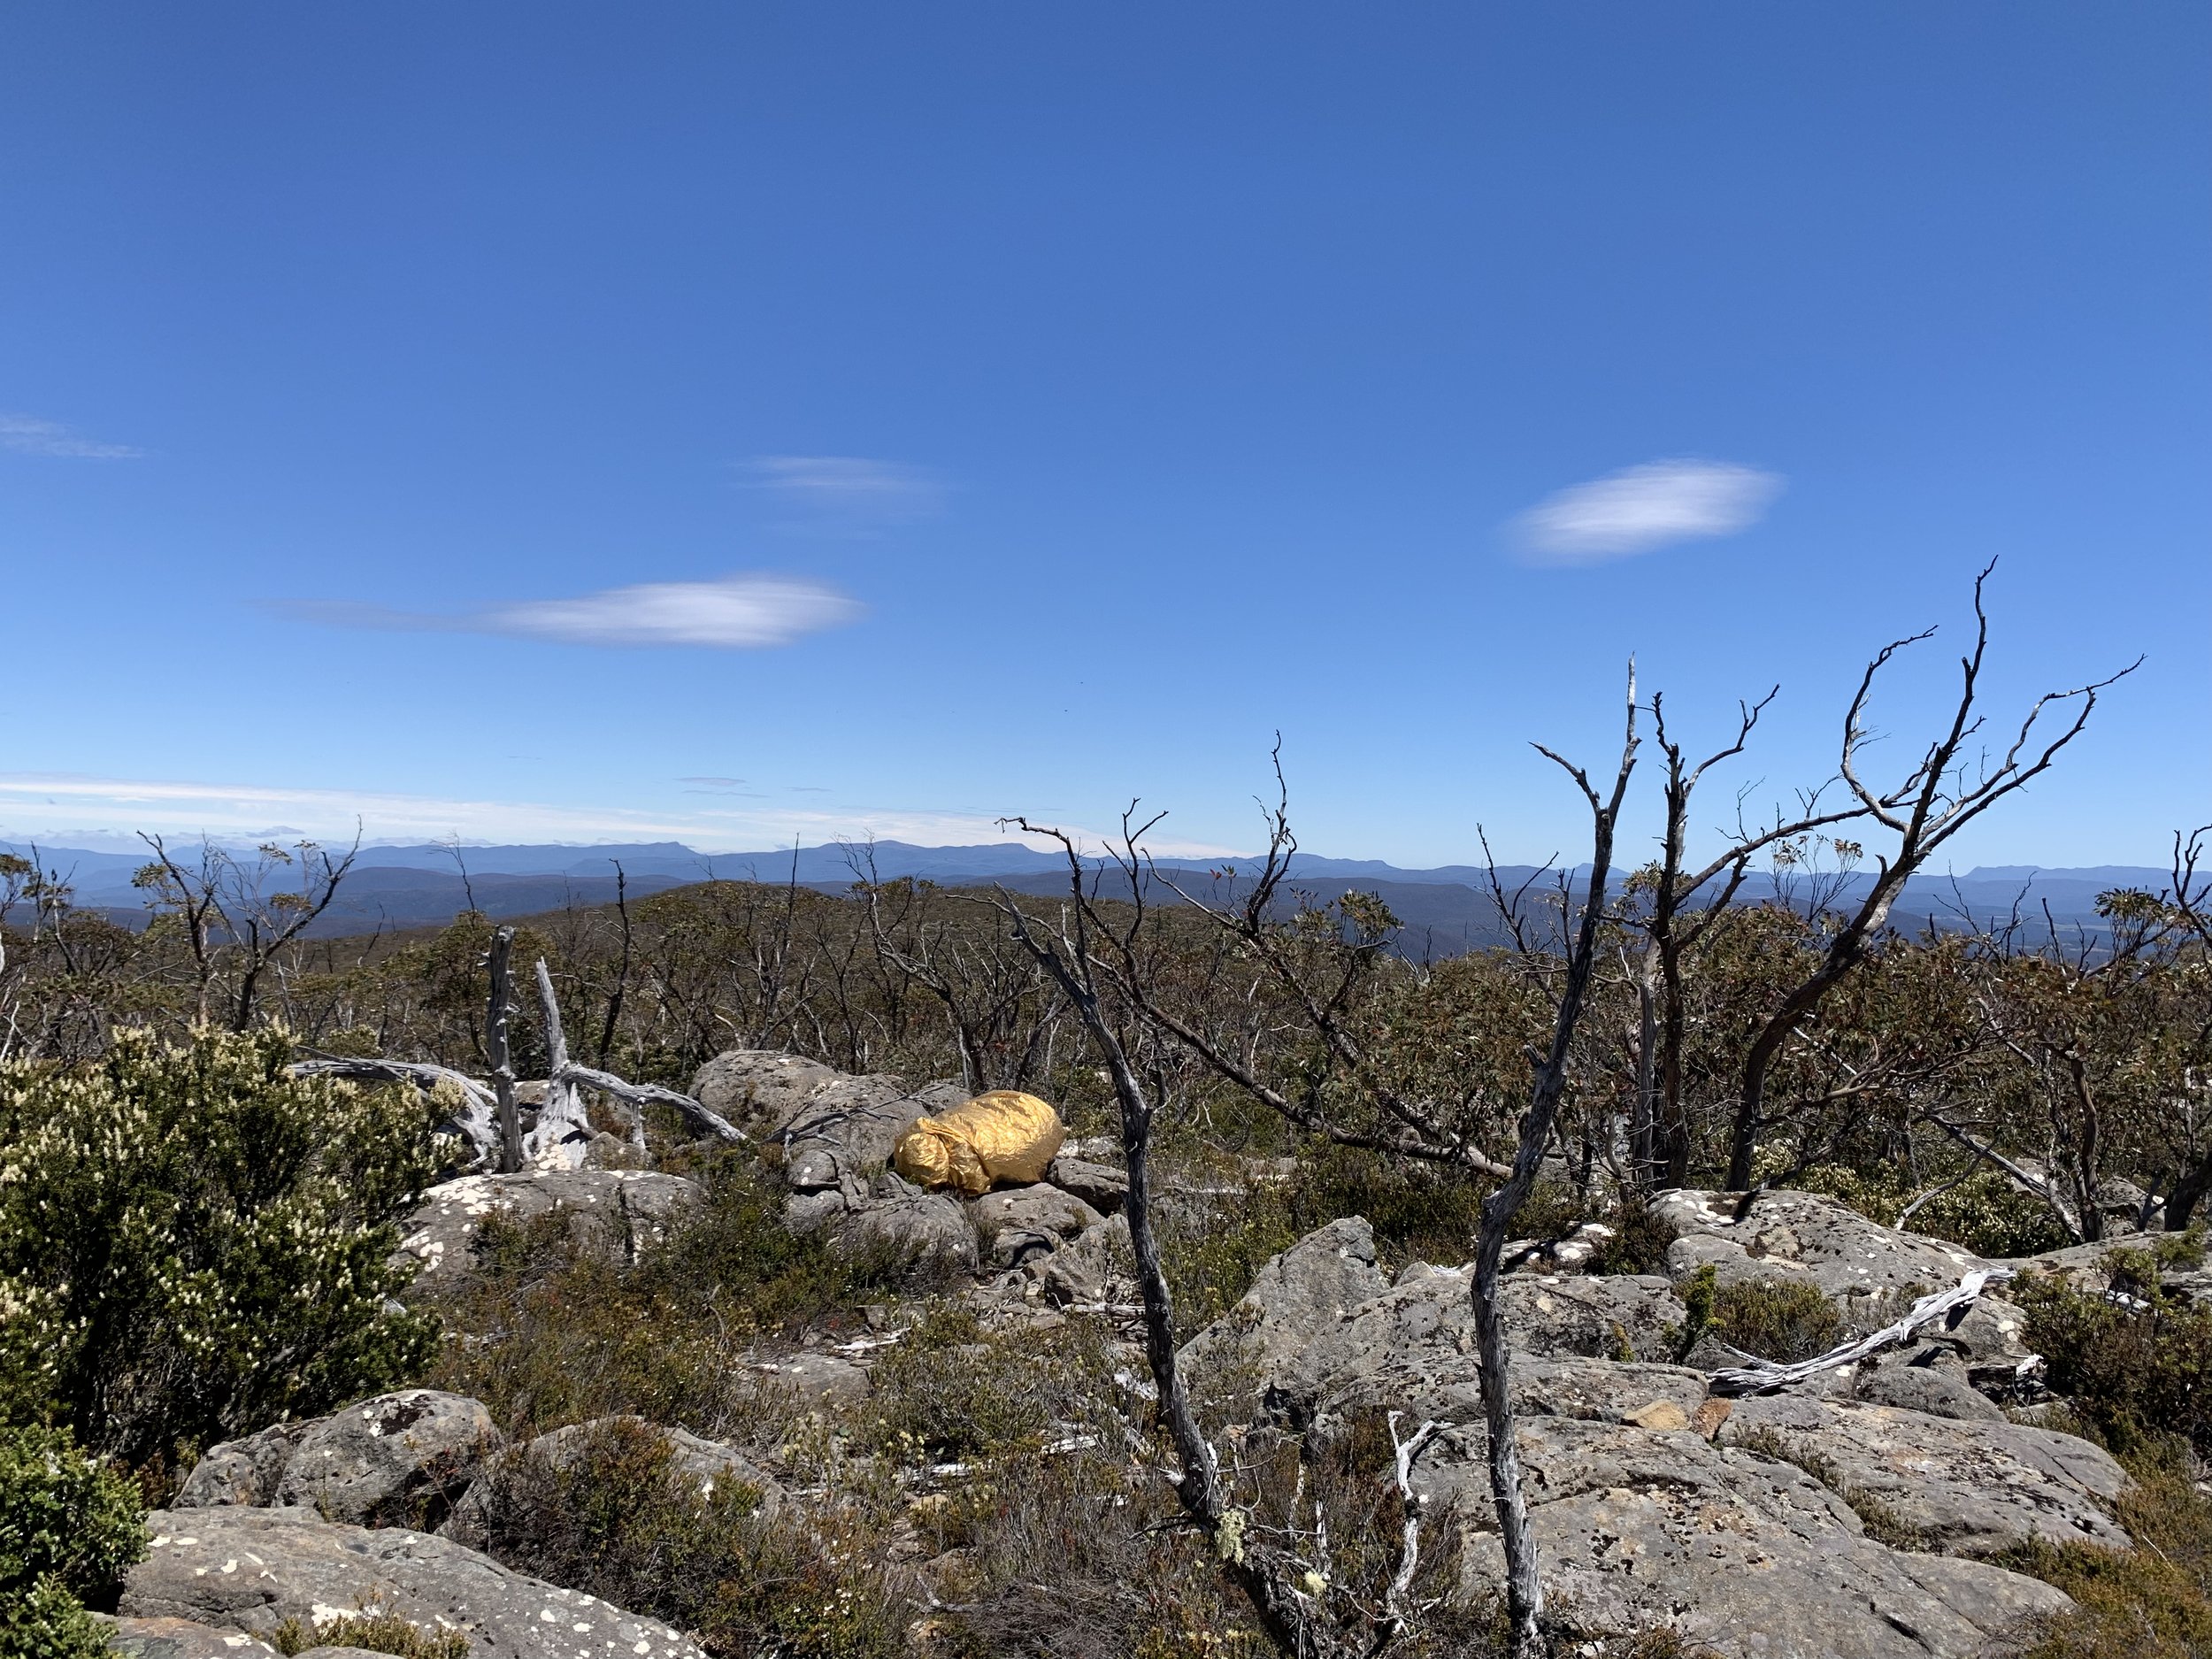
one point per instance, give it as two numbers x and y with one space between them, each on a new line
1023 1222
616 1213
242 1471
1743 1556
1967 1488
926 1234
1101 1185
399 1458
254 1568
1801 1238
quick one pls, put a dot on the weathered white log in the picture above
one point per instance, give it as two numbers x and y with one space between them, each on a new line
476 1122
495 1049
1409 1547
1763 1377
698 1116
562 1131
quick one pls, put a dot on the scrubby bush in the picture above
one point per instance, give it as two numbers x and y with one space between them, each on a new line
373 1632
617 1520
1778 1321
1985 1213
2134 1364
69 1526
546 1332
2153 1601
193 1243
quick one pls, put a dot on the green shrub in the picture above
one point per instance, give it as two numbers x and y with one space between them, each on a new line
617 1521
2133 1369
950 1391
2153 1601
546 1334
193 1244
1776 1321
1985 1213
69 1526
377 1632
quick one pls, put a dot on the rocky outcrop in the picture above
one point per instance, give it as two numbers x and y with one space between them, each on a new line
828 1128
618 1213
1801 1238
251 1569
242 1471
1965 1488
1742 1554
928 1234
1101 1185
404 1456
1742 1524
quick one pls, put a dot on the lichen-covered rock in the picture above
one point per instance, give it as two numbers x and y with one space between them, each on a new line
183 1639
1743 1556
404 1456
1023 1222
1969 1488
619 1213
244 1471
1900 1379
1647 1503
1294 1300
755 1086
815 1378
1801 1238
928 1234
1101 1185
253 1568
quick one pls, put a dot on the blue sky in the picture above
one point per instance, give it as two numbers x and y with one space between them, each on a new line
731 422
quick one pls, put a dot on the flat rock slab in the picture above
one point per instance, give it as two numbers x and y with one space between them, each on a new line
1970 1488
253 1568
619 1212
1742 1554
182 1639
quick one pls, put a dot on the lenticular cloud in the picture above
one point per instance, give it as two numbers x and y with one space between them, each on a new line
1643 508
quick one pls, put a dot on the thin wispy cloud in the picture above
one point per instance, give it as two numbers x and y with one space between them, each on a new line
846 489
1644 507
26 435
734 613
70 808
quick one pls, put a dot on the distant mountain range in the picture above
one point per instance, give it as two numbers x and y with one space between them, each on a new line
1445 911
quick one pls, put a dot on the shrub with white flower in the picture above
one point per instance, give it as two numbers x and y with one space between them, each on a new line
195 1244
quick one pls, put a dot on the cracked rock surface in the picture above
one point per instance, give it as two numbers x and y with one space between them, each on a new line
251 1569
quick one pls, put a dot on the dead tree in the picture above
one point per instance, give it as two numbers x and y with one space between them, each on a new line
1078 952
1685 901
1411 1127
1940 796
224 909
495 1049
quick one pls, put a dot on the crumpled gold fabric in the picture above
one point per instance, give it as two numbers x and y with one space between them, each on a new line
1004 1135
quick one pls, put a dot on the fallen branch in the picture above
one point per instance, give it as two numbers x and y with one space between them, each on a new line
645 1093
476 1123
1764 1377
1410 1552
